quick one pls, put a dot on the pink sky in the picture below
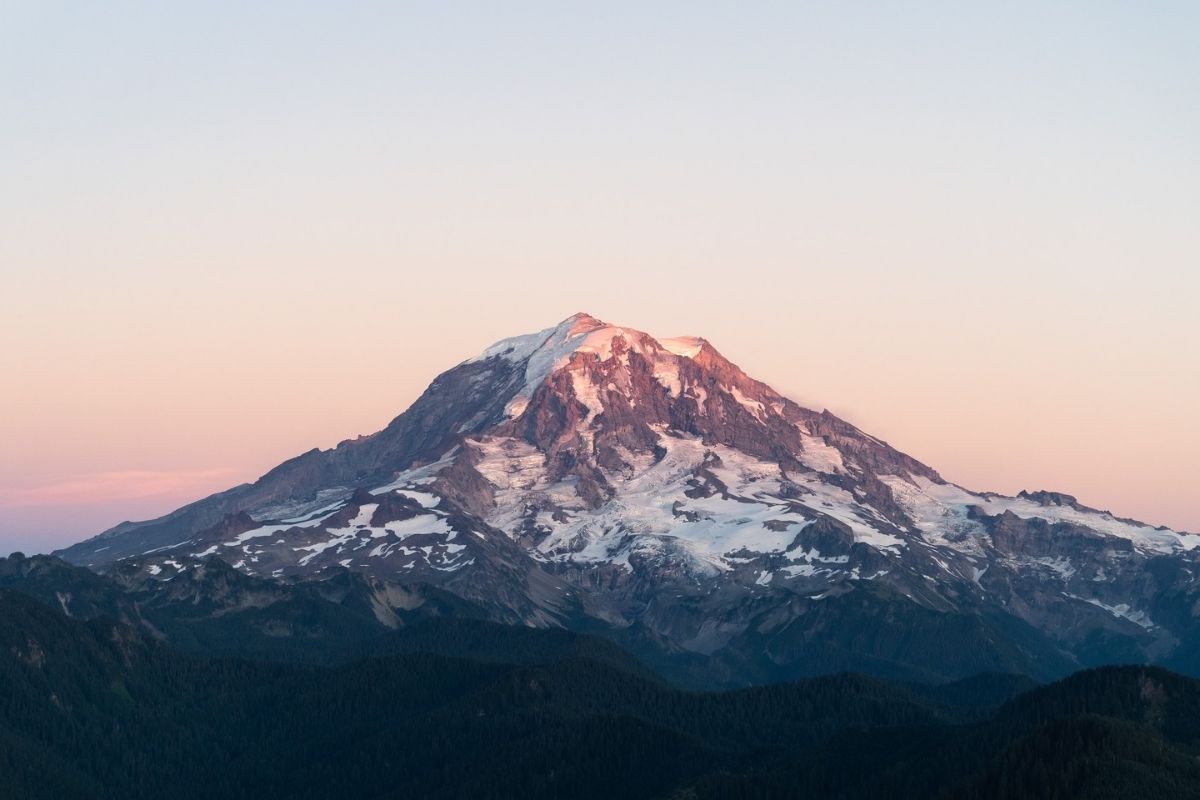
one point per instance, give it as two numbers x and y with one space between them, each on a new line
223 243
137 432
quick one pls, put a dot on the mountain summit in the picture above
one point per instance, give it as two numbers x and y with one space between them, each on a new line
593 476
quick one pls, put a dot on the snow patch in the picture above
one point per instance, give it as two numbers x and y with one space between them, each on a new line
683 346
819 456
941 511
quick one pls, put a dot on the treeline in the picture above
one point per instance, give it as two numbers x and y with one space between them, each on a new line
94 710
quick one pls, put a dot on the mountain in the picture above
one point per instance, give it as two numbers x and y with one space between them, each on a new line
95 709
334 617
594 478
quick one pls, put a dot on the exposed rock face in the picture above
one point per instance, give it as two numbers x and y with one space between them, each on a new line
594 475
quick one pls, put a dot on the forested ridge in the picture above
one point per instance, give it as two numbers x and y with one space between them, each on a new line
97 710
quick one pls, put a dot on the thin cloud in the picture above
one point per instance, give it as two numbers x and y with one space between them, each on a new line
119 485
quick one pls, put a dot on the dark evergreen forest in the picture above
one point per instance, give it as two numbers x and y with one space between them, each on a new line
460 708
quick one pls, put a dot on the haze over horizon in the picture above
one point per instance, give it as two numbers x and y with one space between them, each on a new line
229 237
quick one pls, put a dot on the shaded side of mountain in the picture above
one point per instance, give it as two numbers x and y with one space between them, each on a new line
337 615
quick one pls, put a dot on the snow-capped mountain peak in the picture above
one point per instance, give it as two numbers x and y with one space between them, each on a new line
595 464
600 359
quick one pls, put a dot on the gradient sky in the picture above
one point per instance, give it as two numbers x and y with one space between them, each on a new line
233 232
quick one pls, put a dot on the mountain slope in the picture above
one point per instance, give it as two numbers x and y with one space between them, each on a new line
592 475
